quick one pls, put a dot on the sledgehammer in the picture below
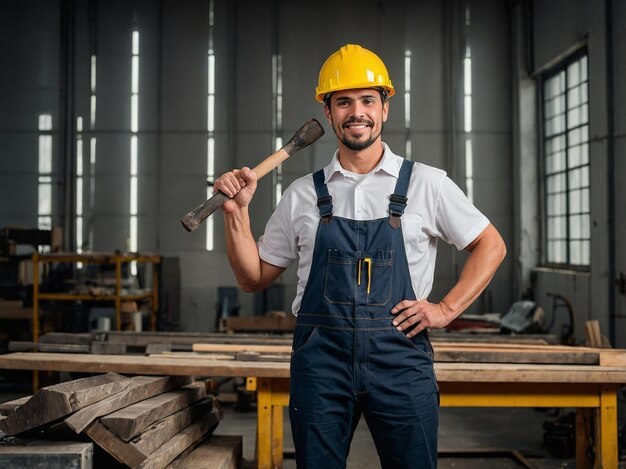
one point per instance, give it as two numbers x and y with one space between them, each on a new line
307 134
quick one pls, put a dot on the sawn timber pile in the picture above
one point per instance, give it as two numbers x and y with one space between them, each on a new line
141 421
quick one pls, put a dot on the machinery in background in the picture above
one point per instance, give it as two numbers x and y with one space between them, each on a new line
526 317
16 247
16 289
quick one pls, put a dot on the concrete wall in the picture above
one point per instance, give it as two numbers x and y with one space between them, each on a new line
172 133
558 29
30 78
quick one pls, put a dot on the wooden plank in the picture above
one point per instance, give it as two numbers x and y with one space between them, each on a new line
158 348
108 441
218 452
469 356
189 436
443 353
7 407
454 372
140 388
235 348
24 346
539 339
132 420
45 454
155 436
143 339
100 347
528 373
256 356
53 402
134 452
83 338
592 333
613 357
510 346
136 364
286 323
199 355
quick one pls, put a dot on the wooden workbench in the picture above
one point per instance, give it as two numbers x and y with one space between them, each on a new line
588 388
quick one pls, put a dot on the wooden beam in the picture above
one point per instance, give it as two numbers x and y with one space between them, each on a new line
24 346
136 451
494 356
99 347
35 454
158 348
613 357
218 452
54 402
189 436
140 388
130 421
83 338
538 339
120 450
7 407
143 339
138 364
235 348
453 372
155 436
286 323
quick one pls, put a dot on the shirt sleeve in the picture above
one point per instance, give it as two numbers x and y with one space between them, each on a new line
278 244
457 220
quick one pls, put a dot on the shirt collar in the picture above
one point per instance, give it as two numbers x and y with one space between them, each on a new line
388 164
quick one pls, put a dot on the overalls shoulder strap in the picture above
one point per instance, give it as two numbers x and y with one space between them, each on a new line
324 199
398 200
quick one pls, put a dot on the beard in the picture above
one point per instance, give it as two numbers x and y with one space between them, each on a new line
355 144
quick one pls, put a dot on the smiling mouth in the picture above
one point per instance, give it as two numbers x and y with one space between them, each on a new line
360 125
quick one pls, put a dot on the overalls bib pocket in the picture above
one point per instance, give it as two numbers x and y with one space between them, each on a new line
366 275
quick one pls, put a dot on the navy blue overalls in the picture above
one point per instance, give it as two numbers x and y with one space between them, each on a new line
348 358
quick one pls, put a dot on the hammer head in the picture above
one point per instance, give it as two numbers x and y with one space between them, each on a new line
310 132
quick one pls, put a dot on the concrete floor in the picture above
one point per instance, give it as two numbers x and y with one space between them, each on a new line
459 429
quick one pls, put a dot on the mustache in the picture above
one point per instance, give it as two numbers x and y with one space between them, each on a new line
355 120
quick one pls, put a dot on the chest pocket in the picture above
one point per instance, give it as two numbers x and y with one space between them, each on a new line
358 277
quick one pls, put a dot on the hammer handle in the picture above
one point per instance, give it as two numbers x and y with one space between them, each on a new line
193 219
307 134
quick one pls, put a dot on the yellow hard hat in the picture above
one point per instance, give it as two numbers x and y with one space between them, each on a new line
352 67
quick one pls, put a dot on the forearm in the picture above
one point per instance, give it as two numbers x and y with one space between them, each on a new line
479 269
242 250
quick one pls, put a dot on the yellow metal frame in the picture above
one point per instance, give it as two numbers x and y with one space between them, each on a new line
591 400
117 297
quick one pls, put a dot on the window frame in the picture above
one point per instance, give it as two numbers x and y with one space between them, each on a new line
543 79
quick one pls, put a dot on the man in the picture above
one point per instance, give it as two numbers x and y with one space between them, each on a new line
364 230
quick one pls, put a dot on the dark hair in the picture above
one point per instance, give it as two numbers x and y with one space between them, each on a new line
383 96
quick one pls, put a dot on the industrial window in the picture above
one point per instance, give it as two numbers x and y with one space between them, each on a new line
566 164
407 104
277 124
44 209
134 128
467 109
210 172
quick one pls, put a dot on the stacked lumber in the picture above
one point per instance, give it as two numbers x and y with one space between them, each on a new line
445 352
141 421
122 343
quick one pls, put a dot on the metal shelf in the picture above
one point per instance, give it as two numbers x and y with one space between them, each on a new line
117 259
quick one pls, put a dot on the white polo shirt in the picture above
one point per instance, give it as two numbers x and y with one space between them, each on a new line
436 208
